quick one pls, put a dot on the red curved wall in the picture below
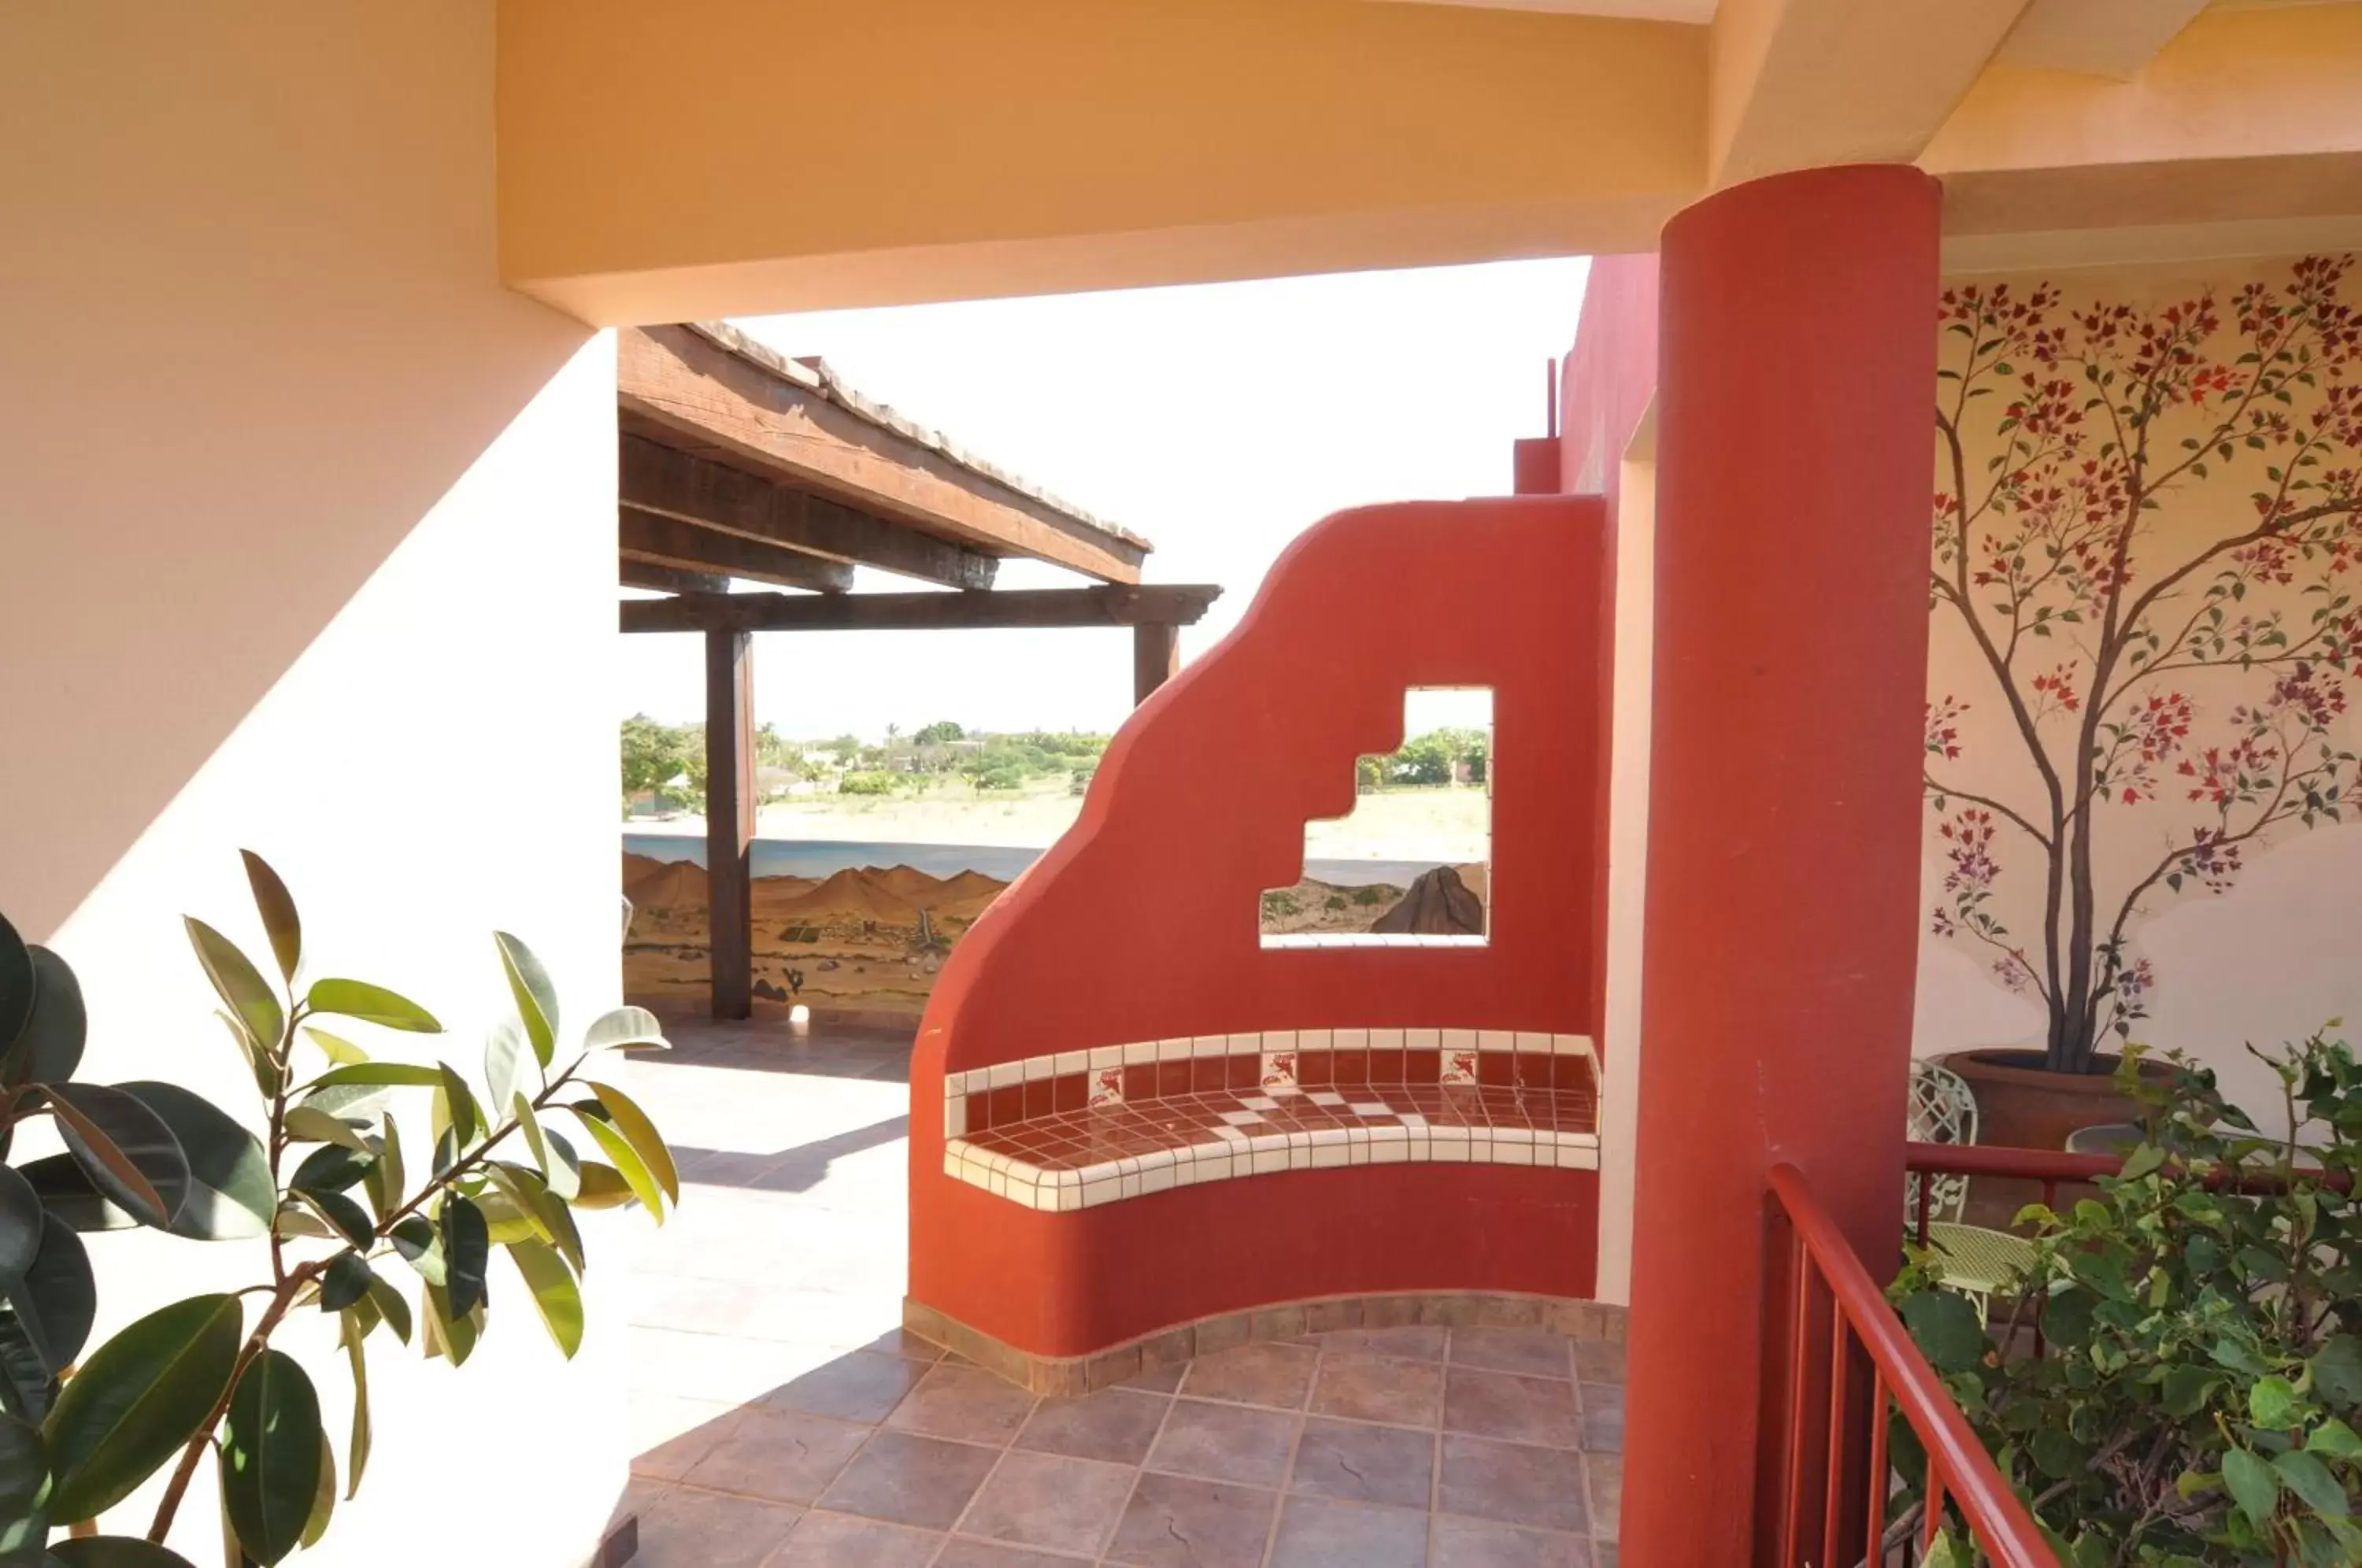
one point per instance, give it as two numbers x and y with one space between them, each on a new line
1141 923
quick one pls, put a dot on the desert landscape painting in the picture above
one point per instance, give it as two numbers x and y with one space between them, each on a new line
861 939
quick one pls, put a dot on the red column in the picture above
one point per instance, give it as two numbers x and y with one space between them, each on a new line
1794 461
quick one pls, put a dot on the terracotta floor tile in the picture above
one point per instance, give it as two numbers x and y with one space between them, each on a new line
779 1455
1174 1522
1514 1483
1317 1533
911 1480
689 1529
1604 1472
963 1402
1595 1360
1050 1501
673 1434
1514 1409
962 1553
1365 1464
1159 1379
1225 1442
847 1540
1411 1341
1114 1424
1603 1431
1378 1388
1530 1352
857 1386
1270 1374
1480 1543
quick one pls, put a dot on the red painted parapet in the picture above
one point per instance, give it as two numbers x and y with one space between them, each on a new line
1141 925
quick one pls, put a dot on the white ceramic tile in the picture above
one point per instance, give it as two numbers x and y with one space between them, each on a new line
1458 1040
1158 1159
1066 1062
1513 1154
1326 1156
1385 1038
1529 1040
955 1117
1230 1134
1258 1102
1326 1096
1413 1119
1003 1074
953 1166
1422 1039
1513 1134
1389 1154
1242 1118
1349 1040
1312 1039
1156 1180
1210 1045
1040 1067
1505 1040
1571 1044
1370 1108
1107 1056
1211 1166
1173 1050
1267 1161
1139 1053
1098 1192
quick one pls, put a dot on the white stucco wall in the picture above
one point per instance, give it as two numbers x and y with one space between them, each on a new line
307 545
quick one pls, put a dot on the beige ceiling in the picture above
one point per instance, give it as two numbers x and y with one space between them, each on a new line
1655 10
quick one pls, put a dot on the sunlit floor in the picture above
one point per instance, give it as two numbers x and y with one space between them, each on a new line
785 1420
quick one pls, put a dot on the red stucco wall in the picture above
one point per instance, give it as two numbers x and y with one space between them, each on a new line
1140 924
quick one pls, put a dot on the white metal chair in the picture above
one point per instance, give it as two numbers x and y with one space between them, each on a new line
1978 1262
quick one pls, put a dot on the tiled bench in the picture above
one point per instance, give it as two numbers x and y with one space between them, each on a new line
1082 1127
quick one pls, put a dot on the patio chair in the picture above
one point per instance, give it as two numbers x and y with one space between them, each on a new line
2107 1138
1978 1262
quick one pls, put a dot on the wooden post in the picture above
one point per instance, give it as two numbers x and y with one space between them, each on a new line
730 819
1155 657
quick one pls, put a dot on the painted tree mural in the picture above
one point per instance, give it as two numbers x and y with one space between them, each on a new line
2146 526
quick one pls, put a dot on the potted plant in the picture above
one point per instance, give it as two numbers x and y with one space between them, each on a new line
2145 532
2198 1393
339 1203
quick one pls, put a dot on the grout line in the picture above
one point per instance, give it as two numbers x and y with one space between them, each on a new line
1295 1446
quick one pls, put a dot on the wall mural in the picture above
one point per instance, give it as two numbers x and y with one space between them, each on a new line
2145 632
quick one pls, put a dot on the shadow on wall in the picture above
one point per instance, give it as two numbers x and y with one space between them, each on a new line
254 385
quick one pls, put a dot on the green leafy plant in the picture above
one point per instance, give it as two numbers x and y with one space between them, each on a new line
2200 1392
200 1377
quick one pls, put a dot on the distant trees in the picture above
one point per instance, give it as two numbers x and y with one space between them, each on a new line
655 755
1438 758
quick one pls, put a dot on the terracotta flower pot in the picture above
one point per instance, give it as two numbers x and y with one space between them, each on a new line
2021 1104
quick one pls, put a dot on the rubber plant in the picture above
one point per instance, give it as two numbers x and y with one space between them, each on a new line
2200 1391
330 1193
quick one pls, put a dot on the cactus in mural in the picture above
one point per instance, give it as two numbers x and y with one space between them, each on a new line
2145 529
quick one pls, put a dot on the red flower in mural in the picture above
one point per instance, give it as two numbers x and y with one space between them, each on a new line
2219 655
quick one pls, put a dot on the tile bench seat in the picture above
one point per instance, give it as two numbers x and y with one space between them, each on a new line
1056 1134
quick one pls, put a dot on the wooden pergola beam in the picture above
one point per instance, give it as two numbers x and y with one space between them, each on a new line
669 579
768 414
673 484
1160 604
648 539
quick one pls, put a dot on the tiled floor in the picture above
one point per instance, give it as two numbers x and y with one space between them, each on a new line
786 1422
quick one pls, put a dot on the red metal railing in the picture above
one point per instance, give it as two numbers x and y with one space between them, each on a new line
1828 1284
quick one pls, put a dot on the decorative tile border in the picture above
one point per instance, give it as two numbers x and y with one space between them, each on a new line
1077 1129
1593 1322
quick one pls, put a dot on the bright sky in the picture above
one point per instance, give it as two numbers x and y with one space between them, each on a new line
1219 420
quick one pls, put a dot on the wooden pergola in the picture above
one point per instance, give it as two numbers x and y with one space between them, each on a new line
736 462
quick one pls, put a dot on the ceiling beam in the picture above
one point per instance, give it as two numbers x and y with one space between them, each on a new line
1801 83
715 496
2097 38
660 541
705 396
1169 604
670 579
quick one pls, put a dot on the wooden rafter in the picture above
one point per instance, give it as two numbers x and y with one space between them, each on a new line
714 496
770 416
647 538
670 579
1169 604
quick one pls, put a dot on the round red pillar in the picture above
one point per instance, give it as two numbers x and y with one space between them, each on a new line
1794 462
